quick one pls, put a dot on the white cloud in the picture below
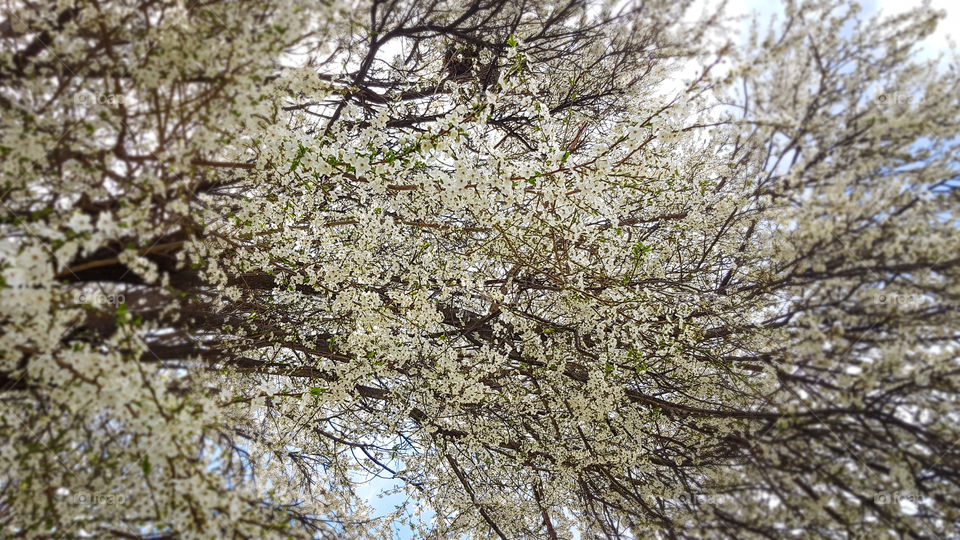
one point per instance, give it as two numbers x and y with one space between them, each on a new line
941 38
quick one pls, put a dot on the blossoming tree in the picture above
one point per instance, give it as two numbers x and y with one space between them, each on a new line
552 268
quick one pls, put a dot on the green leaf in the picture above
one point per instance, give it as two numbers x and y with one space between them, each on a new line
145 465
640 249
301 151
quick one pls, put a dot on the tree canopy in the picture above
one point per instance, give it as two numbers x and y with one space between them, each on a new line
555 268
